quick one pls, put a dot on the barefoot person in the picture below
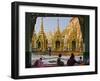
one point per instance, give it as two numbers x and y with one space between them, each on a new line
38 63
59 62
49 51
71 61
80 60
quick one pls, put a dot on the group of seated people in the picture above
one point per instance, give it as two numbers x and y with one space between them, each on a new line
71 61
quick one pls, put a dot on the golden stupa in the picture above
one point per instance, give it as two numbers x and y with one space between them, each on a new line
68 40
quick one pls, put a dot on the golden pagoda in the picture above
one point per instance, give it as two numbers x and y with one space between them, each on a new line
68 40
34 37
57 41
74 36
41 40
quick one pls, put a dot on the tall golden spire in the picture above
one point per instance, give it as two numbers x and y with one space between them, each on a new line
58 29
42 29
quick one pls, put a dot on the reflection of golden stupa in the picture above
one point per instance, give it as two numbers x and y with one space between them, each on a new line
70 39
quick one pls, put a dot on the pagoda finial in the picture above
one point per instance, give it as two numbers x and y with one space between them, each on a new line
42 29
58 24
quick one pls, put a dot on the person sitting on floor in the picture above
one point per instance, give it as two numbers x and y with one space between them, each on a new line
38 63
71 61
80 61
59 62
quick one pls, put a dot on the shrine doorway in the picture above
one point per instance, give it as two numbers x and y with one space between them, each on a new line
39 44
57 44
73 45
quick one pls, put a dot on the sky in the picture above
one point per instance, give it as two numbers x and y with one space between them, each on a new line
50 23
